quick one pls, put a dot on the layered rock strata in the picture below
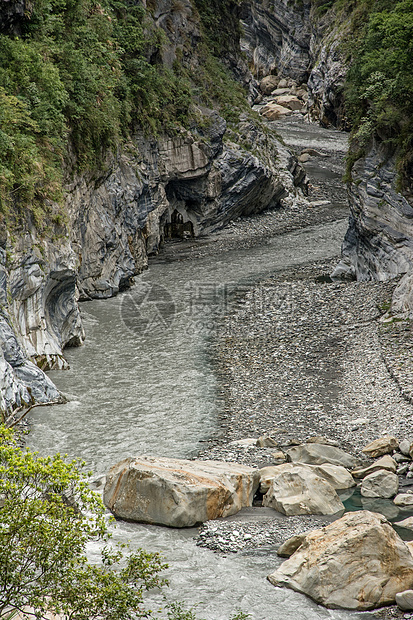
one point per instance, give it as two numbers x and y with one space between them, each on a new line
169 186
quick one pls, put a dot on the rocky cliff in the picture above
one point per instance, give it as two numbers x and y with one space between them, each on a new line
299 40
175 185
291 39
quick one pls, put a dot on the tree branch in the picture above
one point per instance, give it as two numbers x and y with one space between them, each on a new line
10 422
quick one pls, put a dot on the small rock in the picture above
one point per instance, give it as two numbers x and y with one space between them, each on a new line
266 442
280 91
291 545
404 500
318 438
405 446
407 523
386 462
244 443
383 445
289 101
400 458
380 483
405 600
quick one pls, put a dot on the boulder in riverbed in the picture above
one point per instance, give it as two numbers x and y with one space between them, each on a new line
380 483
407 523
317 454
383 445
337 476
357 562
289 101
297 490
404 500
178 492
268 83
273 111
405 600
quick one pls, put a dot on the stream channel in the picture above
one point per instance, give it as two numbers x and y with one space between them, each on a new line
144 383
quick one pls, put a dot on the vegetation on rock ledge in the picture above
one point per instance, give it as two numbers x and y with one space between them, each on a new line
379 83
78 78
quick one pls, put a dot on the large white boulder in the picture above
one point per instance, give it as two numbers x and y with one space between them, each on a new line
357 562
178 492
298 490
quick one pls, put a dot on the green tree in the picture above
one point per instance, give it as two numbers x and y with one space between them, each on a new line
48 515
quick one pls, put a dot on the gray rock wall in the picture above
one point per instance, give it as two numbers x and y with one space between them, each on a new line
188 184
276 37
379 241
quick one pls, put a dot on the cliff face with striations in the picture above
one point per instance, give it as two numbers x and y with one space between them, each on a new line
277 36
183 184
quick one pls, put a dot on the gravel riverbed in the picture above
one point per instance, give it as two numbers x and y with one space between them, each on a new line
302 356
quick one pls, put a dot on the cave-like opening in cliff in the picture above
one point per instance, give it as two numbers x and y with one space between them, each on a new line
177 228
184 205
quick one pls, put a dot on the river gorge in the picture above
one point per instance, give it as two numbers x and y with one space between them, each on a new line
139 388
206 253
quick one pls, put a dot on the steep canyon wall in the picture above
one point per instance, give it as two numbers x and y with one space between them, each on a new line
182 184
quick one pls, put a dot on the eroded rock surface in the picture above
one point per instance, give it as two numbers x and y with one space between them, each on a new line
357 562
176 492
297 490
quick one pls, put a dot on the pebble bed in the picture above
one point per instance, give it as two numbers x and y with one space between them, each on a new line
302 356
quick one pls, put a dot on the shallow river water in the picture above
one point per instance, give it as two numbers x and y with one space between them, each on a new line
143 383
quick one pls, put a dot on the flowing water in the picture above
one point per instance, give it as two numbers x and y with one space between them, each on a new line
144 383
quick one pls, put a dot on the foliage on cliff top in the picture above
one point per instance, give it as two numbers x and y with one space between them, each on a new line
86 73
379 83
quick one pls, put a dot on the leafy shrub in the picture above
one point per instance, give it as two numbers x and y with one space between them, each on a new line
48 515
380 81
